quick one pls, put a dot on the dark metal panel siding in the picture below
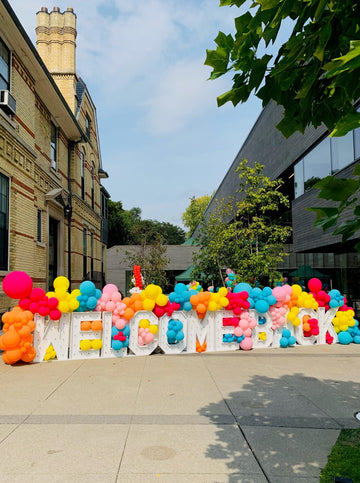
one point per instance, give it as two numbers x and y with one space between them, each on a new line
305 235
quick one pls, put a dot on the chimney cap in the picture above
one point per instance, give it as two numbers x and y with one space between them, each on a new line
44 9
70 9
56 9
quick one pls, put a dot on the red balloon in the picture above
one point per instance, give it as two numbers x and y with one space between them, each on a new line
315 285
55 314
44 311
37 294
53 303
17 285
24 303
34 307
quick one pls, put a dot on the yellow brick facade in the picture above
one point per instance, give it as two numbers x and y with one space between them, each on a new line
35 182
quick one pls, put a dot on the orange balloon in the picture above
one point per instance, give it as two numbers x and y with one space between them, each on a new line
201 308
96 325
138 305
25 331
306 327
29 355
10 340
85 325
12 356
128 313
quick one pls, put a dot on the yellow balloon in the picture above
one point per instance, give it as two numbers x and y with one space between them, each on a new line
148 304
51 294
85 345
296 289
61 283
63 306
153 328
223 292
96 344
144 324
161 300
212 306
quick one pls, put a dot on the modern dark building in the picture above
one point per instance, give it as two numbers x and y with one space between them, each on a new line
300 161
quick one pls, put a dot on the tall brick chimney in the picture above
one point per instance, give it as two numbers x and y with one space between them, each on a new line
55 42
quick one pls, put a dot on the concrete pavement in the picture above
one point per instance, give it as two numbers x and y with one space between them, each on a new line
260 416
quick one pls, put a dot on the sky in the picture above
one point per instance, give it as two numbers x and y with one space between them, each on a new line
163 139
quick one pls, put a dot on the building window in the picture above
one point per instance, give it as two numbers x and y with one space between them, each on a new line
53 146
342 152
84 253
299 178
92 254
39 226
317 164
83 174
4 67
92 186
4 222
87 126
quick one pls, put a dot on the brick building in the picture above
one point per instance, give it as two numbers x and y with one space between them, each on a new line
53 209
300 161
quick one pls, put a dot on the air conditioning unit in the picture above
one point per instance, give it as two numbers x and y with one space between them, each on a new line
7 102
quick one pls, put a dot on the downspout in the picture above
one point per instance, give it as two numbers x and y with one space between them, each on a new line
69 210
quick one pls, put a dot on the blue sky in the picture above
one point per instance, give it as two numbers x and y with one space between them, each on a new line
163 139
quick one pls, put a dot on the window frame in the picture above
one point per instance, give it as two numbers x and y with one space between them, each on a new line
39 231
53 145
5 230
6 82
82 172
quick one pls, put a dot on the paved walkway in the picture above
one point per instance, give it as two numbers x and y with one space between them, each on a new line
259 416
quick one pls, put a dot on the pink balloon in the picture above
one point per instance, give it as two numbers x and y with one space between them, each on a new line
287 289
120 323
105 297
246 344
238 331
248 333
243 323
17 285
109 288
149 337
140 341
109 306
253 323
116 296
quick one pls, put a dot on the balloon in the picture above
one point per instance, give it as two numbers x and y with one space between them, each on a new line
17 285
315 285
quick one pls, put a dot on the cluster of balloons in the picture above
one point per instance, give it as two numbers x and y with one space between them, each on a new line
246 324
16 341
259 299
238 301
174 331
138 277
262 335
343 320
228 338
351 335
310 326
152 296
120 338
93 344
67 301
50 353
40 303
287 339
181 296
88 297
146 332
230 280
94 325
201 347
278 316
111 301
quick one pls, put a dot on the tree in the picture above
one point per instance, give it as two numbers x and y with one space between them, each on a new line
345 193
127 228
152 260
315 74
245 233
194 212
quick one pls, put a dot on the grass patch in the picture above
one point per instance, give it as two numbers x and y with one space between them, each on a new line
344 459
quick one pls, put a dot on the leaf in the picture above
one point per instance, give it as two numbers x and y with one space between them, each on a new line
288 125
351 60
267 4
225 41
217 59
348 229
336 189
242 22
346 124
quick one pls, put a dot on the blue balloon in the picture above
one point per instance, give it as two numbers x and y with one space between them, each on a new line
170 334
333 303
292 340
261 306
242 287
284 342
91 303
180 287
271 299
344 338
180 336
187 306
116 345
256 293
126 331
286 333
114 331
98 293
357 339
334 293
251 302
87 288
267 291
